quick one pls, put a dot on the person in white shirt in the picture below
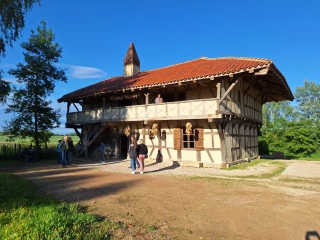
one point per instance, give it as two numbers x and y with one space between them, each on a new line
159 99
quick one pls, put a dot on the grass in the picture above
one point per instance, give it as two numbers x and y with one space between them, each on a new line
9 163
216 180
243 166
278 169
151 227
24 214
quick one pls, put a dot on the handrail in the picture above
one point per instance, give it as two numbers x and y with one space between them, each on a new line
189 109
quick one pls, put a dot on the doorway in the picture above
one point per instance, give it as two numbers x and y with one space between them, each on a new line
123 146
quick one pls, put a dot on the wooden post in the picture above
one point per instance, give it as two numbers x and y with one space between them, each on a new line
220 127
103 103
86 145
103 107
218 90
68 107
147 98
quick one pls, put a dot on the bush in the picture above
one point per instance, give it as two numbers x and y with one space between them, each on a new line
263 147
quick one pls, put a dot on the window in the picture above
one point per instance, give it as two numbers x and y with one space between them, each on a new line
187 140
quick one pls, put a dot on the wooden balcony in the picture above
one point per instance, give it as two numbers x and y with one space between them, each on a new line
191 109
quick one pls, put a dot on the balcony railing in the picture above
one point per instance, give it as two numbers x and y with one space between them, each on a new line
191 109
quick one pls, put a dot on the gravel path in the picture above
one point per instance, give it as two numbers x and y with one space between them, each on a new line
296 168
282 207
303 169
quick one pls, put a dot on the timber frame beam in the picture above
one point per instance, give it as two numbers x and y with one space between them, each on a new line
75 106
229 89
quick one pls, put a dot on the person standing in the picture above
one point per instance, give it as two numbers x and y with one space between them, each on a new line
70 142
101 151
133 155
59 151
159 99
64 145
142 152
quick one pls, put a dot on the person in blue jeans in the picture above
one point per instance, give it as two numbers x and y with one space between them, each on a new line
64 145
59 151
101 151
133 155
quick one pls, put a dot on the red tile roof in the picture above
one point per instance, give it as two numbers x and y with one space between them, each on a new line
198 68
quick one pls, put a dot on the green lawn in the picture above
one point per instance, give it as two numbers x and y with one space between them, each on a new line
26 214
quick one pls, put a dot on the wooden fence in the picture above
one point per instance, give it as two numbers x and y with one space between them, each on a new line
13 151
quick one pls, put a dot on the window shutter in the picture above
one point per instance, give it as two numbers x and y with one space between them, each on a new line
177 138
199 139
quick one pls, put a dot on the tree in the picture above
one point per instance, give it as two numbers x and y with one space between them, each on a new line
302 137
308 99
12 14
4 89
275 117
32 112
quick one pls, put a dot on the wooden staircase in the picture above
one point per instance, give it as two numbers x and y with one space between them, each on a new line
101 136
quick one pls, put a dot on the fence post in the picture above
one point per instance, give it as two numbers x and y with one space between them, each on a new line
4 151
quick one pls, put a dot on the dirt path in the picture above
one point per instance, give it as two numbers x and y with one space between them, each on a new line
216 206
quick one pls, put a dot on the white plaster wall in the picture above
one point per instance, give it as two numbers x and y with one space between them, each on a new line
207 140
130 70
166 156
217 143
188 155
211 156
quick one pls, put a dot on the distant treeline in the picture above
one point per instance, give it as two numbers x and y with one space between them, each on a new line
55 134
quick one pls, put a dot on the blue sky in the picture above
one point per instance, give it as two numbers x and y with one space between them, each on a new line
95 36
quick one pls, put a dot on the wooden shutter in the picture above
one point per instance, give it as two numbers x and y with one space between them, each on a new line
177 138
199 139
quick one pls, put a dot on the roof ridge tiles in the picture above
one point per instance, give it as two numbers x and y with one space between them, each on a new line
217 58
240 58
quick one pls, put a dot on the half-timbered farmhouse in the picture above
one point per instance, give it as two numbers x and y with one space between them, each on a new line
210 115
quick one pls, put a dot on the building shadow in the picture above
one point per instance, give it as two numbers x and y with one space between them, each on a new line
173 166
312 235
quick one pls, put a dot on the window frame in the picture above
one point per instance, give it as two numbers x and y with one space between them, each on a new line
188 141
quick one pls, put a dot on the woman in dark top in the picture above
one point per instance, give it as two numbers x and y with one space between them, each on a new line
142 152
133 155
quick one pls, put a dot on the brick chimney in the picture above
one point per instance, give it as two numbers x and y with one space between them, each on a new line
131 62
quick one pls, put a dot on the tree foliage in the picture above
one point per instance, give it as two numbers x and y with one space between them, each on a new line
301 137
12 15
32 112
308 98
5 89
293 130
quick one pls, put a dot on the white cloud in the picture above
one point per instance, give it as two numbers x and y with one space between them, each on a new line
81 72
